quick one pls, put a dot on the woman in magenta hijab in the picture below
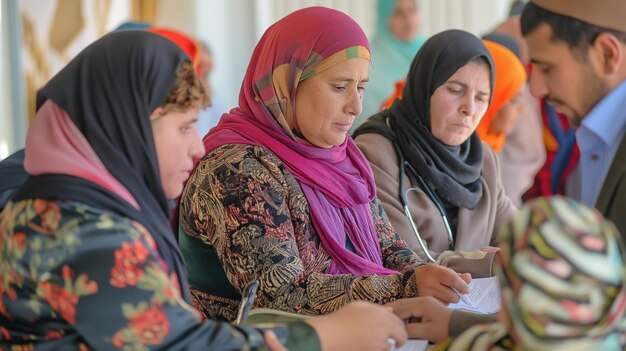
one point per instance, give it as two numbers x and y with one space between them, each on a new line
284 196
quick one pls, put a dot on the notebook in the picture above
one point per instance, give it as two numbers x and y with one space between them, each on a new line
269 315
484 296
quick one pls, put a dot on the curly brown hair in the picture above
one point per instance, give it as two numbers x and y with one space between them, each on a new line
188 91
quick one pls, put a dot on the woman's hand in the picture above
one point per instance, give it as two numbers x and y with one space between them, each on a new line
272 341
426 317
490 249
438 281
359 326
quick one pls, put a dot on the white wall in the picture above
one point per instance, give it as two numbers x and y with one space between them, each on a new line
178 14
5 122
475 16
8 142
230 29
233 27
16 56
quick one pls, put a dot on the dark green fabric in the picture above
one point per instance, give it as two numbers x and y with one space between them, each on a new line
612 199
268 318
202 262
299 335
269 315
302 337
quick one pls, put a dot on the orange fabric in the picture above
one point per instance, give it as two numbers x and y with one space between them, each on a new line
397 94
510 76
188 45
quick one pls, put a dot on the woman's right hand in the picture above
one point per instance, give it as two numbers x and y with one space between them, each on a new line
425 317
438 281
359 326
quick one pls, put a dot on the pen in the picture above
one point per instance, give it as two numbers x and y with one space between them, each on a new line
463 297
392 343
247 300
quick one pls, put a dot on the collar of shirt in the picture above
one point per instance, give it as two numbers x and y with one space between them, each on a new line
598 138
601 122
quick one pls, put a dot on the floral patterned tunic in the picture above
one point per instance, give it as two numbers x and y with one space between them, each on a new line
244 212
73 277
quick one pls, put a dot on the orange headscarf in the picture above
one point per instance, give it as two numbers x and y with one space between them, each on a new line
188 45
397 94
510 76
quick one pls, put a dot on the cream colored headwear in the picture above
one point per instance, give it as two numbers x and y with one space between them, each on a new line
609 14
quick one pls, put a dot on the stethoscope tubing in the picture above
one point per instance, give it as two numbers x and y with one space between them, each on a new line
431 195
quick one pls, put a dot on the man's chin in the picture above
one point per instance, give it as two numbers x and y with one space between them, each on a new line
572 117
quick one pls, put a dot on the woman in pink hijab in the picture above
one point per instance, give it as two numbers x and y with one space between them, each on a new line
284 196
87 261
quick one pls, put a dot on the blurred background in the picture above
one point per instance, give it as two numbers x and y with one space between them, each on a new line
38 37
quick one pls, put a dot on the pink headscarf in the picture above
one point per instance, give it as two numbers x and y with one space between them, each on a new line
337 182
56 146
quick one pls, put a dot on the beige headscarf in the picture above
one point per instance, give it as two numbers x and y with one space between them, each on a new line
562 274
602 13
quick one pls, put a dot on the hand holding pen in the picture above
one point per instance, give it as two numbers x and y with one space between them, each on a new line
438 281
463 298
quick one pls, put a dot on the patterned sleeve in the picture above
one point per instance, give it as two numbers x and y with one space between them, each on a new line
252 211
100 276
396 253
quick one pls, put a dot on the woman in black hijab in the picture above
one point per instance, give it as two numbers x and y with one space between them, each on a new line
451 199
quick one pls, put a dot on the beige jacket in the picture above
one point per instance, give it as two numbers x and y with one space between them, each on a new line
524 152
475 229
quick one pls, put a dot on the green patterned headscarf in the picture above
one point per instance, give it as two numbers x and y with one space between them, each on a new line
562 272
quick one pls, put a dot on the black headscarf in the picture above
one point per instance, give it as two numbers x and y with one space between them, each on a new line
109 91
12 174
453 172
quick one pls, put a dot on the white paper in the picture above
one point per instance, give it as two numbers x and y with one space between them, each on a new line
484 295
413 345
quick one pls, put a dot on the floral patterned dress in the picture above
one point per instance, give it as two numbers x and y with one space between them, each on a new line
244 216
73 277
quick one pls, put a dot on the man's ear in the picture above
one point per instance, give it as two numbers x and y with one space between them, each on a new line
610 52
158 112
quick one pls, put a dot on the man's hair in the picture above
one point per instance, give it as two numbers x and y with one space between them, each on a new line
188 91
516 7
577 34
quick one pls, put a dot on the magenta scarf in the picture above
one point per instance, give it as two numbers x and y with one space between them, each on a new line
337 182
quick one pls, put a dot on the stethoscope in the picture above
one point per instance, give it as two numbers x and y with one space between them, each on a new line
431 195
